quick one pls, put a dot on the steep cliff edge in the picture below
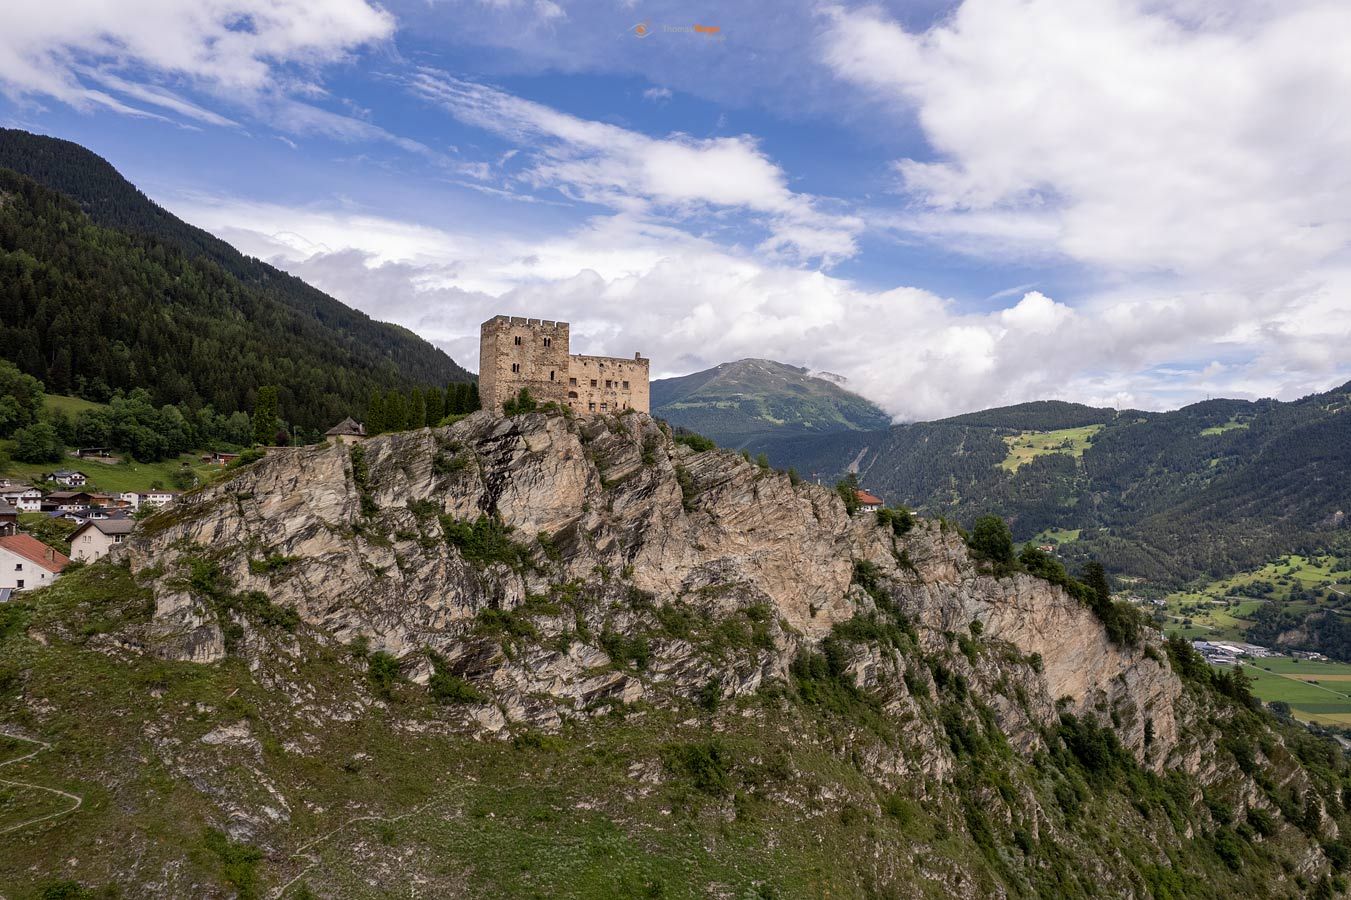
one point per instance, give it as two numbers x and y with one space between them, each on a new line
613 508
546 655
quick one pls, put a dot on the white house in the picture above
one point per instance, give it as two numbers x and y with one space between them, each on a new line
24 497
868 502
27 563
96 537
136 500
68 478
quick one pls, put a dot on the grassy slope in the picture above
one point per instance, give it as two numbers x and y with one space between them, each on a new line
127 475
1029 445
617 807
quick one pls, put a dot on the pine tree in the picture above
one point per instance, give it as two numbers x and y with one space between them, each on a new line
375 414
436 405
1095 576
473 404
266 418
457 397
417 417
396 412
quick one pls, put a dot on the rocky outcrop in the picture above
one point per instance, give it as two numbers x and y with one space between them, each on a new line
609 527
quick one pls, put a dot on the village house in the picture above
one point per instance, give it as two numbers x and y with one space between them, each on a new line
868 502
9 519
23 497
66 501
95 538
27 563
68 478
348 431
220 459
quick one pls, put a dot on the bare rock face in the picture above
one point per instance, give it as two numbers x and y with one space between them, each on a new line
612 527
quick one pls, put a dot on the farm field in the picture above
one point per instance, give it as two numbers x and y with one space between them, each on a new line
71 406
1316 691
1025 447
1223 609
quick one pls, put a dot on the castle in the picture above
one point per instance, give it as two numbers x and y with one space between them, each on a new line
517 353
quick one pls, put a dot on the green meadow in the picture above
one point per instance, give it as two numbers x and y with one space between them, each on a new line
1025 447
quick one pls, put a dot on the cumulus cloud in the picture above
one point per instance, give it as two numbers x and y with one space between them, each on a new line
679 175
1188 137
629 284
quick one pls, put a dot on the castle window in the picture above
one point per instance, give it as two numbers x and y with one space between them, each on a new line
593 382
518 340
572 381
515 367
607 382
551 374
548 342
572 395
591 407
604 406
626 385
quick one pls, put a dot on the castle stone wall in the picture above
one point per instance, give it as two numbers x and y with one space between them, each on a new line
600 384
517 353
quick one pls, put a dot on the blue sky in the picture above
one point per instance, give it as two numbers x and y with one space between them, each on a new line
956 205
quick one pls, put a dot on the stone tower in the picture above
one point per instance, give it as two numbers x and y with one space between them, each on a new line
517 353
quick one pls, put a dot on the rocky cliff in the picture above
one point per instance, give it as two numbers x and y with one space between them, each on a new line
386 664
614 509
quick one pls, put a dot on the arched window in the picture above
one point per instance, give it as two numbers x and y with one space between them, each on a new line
572 395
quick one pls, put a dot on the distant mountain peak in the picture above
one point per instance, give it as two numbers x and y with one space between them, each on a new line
746 402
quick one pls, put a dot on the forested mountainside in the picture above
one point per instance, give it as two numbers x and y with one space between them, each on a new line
752 403
100 289
1213 488
540 655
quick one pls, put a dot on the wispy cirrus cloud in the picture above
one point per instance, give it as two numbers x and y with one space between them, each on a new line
676 175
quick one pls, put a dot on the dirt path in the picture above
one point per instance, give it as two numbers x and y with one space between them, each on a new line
76 801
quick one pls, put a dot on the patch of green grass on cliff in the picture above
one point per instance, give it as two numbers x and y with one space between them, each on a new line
768 797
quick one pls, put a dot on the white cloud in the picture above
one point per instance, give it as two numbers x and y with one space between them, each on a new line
235 51
1198 138
628 284
678 175
658 94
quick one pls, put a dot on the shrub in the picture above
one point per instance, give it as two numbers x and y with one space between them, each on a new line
847 490
688 492
485 541
900 520
696 442
523 402
991 539
447 688
624 650
382 670
707 766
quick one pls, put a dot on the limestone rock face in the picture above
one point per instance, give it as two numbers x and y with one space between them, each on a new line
358 542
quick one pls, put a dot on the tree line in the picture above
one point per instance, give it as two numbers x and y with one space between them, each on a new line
420 407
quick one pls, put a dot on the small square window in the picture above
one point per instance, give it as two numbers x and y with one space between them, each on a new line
548 342
605 406
626 385
593 382
19 583
18 567
572 382
591 407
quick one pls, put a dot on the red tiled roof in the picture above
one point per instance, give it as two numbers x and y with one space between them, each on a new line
868 499
33 550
